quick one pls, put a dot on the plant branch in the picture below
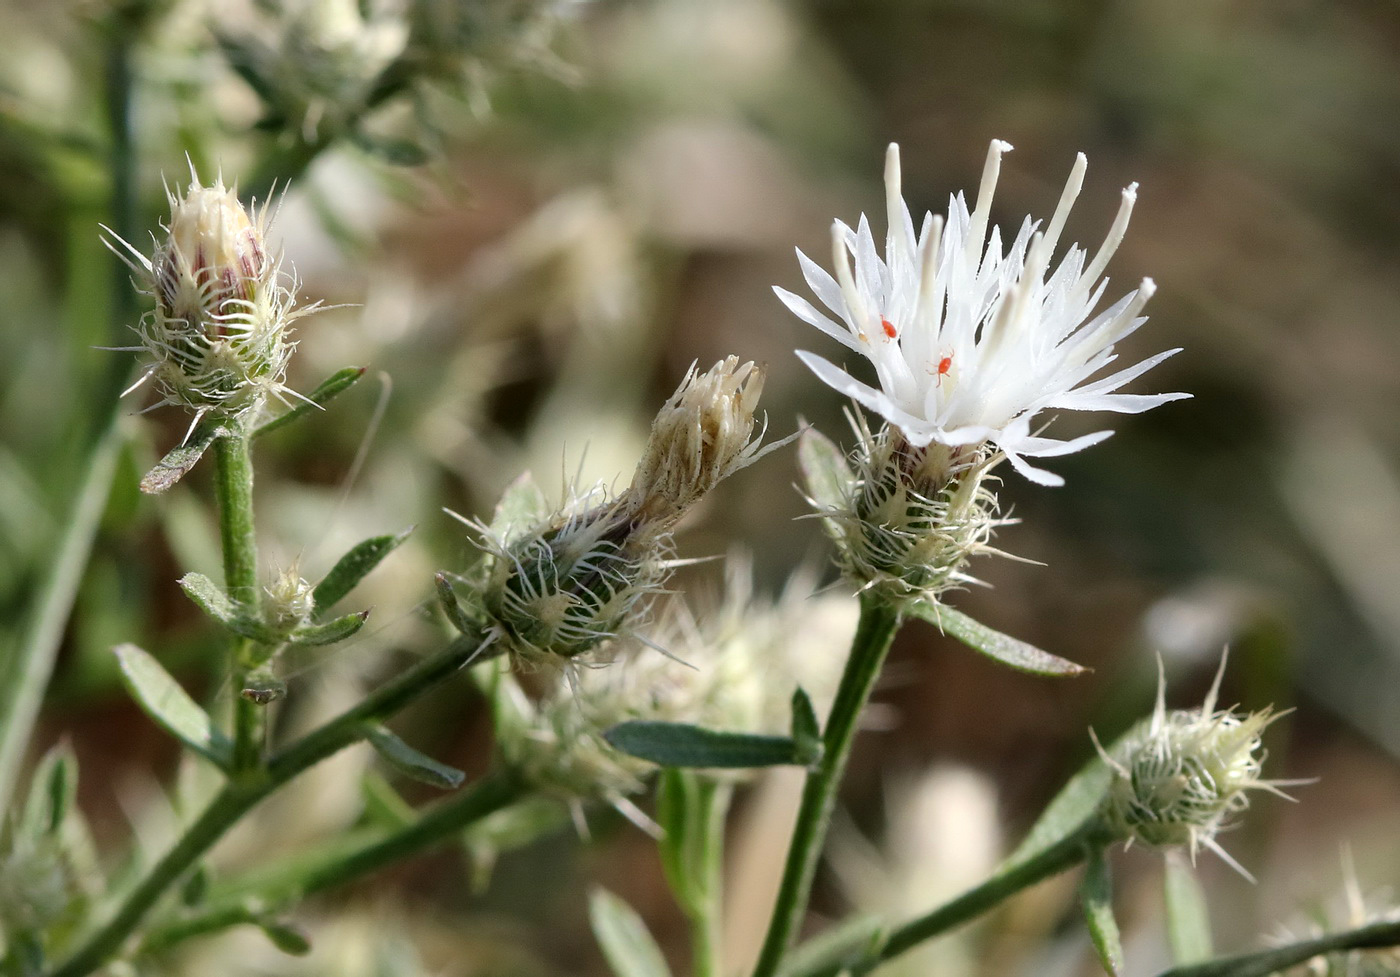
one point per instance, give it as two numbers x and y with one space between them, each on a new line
440 822
1373 936
247 788
874 634
1057 858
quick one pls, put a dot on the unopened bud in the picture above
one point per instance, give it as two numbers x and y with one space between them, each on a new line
564 588
1180 780
289 601
217 336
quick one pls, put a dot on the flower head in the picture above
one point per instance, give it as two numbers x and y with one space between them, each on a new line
1180 779
217 336
970 340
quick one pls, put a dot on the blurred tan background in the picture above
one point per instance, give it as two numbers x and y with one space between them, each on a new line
608 198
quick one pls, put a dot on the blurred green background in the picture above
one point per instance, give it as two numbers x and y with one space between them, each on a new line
529 243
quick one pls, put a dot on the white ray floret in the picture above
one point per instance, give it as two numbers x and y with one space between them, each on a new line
971 339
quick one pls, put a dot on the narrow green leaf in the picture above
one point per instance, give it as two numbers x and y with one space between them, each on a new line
451 606
196 888
214 602
168 704
51 790
1096 895
384 806
1188 916
806 731
521 508
353 567
825 473
630 949
330 632
1076 802
336 383
839 947
683 745
287 937
394 151
1002 647
178 461
409 762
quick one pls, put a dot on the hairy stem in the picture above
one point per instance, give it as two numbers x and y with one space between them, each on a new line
875 632
249 787
438 824
1373 936
1065 854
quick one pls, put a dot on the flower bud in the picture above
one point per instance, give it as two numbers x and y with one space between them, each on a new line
289 601
702 435
1183 777
217 335
563 588
911 517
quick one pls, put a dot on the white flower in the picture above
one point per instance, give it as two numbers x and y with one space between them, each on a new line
971 341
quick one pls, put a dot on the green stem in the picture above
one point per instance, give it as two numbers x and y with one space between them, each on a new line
875 632
249 787
233 488
440 823
1373 936
706 919
1057 858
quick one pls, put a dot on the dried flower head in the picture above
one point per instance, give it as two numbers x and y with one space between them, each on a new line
217 336
971 342
1183 777
702 435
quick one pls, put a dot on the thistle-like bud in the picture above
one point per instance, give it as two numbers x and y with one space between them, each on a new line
217 336
906 519
1182 778
702 435
584 577
559 585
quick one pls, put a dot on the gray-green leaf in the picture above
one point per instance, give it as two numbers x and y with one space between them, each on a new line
806 731
629 947
214 602
825 473
521 508
409 762
178 461
684 745
330 632
1096 895
353 567
992 643
168 704
336 383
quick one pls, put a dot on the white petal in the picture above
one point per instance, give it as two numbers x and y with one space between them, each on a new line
919 431
803 309
823 286
1118 403
1038 475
